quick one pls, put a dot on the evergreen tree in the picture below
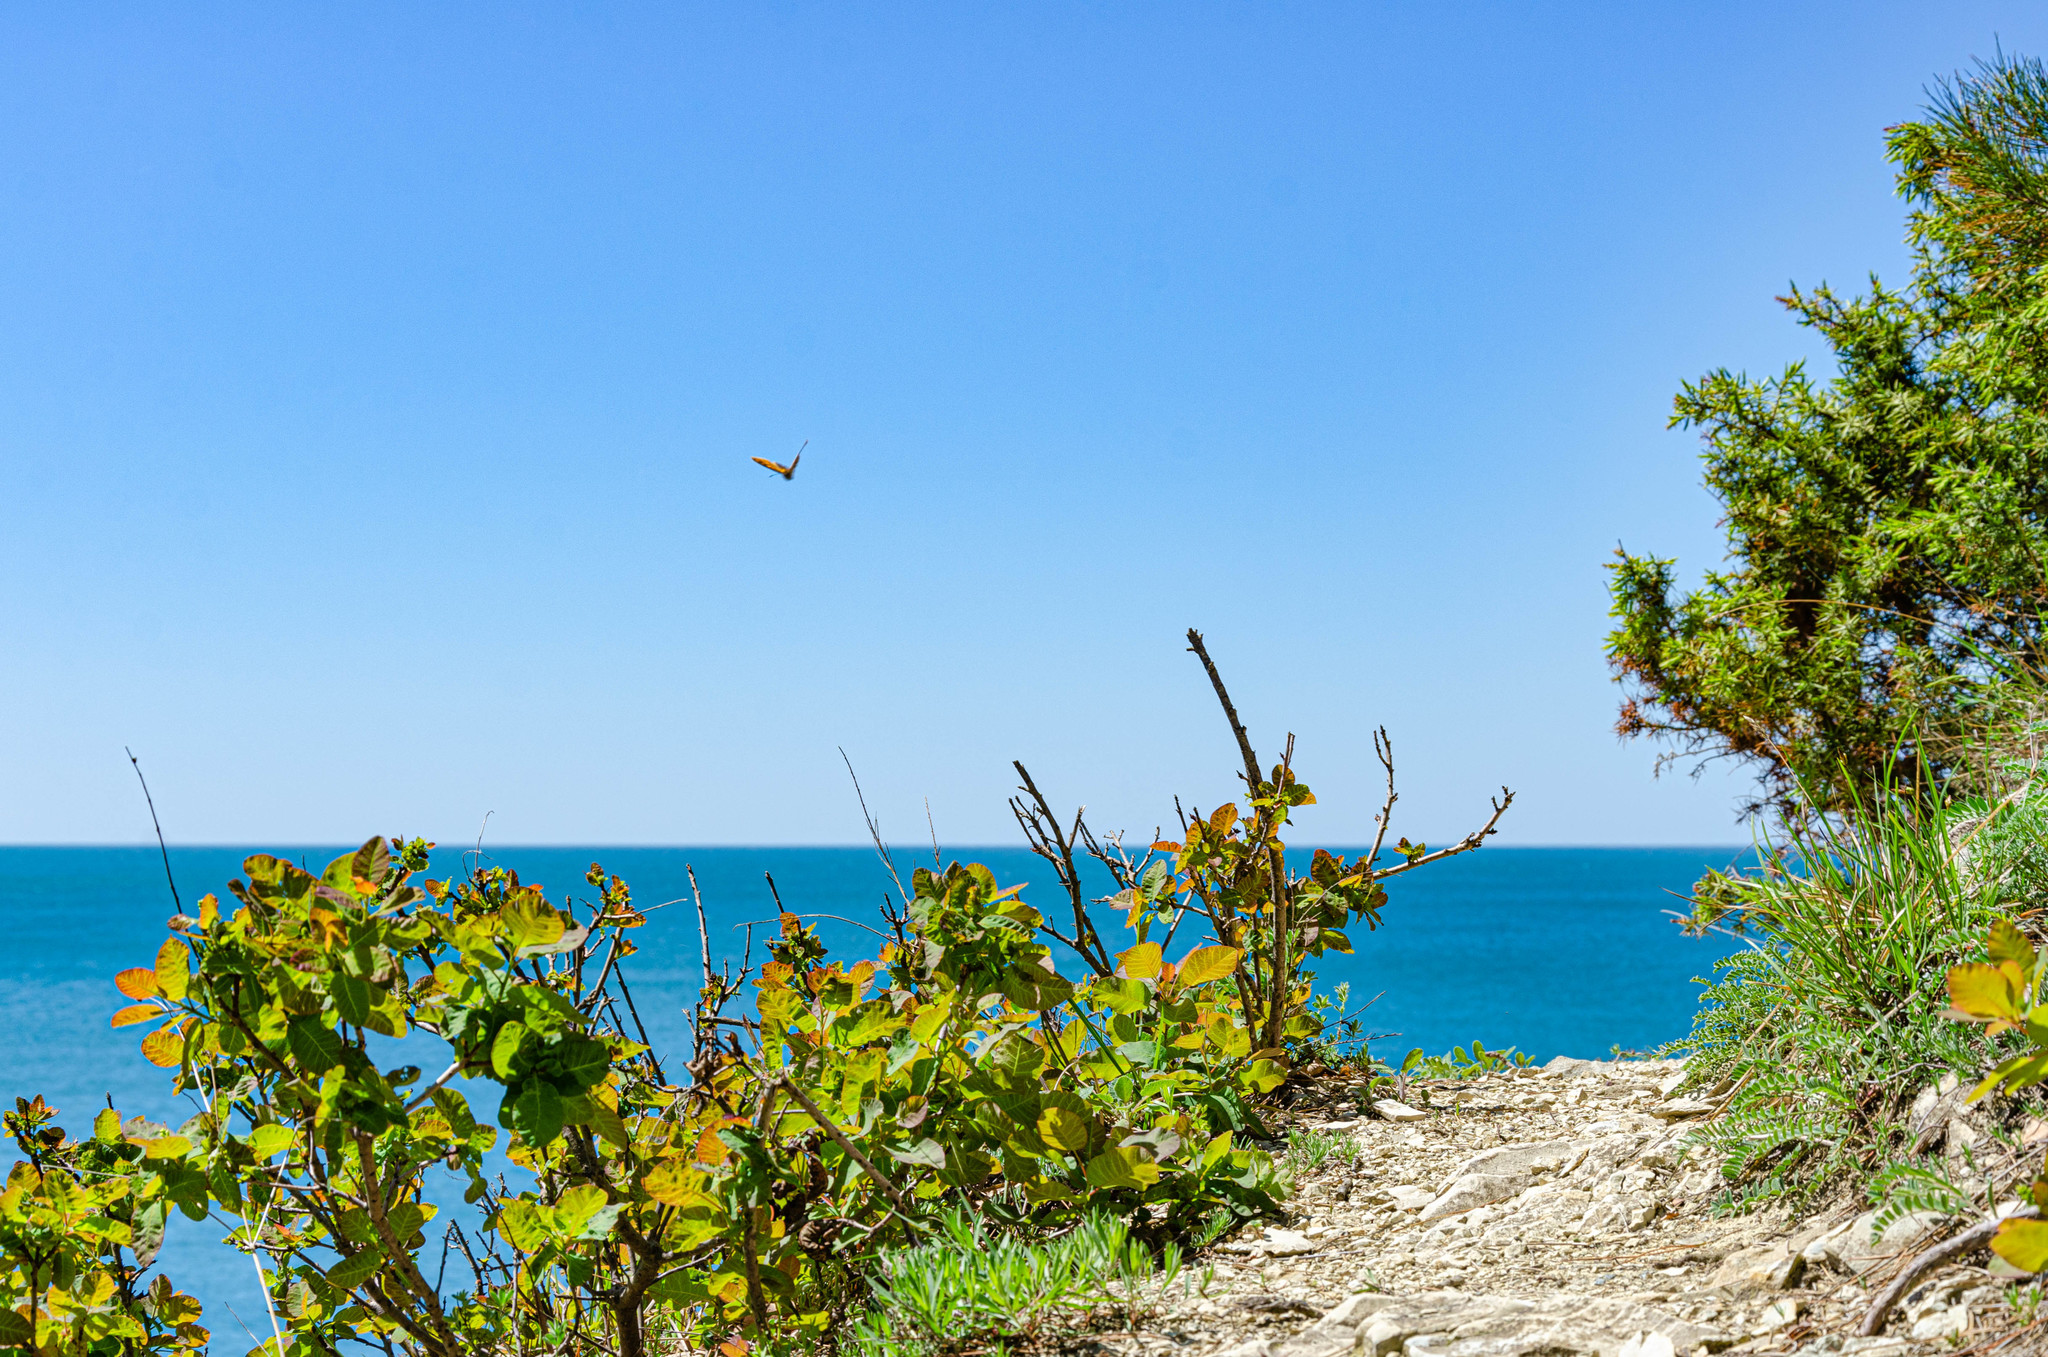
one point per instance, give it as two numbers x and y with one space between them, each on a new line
1887 527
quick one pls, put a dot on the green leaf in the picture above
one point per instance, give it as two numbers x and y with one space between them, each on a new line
926 1153
505 1049
352 1271
534 1110
316 1046
1122 1166
351 997
1013 1060
583 1061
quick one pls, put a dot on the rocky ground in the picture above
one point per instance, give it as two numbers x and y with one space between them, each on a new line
1544 1212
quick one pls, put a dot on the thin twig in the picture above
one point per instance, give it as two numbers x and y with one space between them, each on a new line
1475 839
874 829
151 802
703 934
841 918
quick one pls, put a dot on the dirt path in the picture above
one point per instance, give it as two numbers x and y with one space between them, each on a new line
1549 1212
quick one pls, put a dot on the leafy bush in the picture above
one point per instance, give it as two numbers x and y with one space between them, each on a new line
748 1189
1827 1024
80 1222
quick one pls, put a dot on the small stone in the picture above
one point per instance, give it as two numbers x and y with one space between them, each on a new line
1676 1108
1275 1244
1383 1336
1410 1198
1942 1323
1769 1267
1780 1313
1389 1110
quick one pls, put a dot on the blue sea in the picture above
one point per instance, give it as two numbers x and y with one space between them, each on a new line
1555 951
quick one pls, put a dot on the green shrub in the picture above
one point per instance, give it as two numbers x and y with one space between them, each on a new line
80 1222
745 1190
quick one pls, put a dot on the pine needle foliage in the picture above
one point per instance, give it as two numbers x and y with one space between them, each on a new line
1887 526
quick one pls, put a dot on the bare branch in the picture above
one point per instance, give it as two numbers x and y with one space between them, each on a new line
1383 746
1042 832
1244 741
1475 839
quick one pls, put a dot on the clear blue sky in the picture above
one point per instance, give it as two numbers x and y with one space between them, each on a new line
379 385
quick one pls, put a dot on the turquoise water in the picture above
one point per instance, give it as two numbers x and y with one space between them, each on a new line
1554 950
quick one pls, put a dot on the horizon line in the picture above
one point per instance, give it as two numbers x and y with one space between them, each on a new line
864 847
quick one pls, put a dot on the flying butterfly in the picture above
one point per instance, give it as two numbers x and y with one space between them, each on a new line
788 473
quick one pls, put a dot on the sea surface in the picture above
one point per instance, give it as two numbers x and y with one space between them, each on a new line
1554 951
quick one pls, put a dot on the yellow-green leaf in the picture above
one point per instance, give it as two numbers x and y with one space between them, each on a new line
270 1140
1142 962
173 969
1987 993
1066 1129
165 1147
2023 1243
1122 1166
1204 964
2007 943
674 1183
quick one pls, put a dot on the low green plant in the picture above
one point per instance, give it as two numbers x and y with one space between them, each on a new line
1456 1063
971 1285
1920 1184
1311 1149
1827 1023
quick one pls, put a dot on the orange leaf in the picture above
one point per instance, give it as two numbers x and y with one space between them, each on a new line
710 1149
136 1013
1165 846
137 982
164 1047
